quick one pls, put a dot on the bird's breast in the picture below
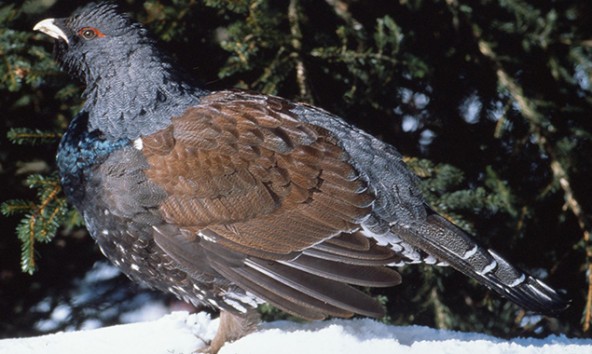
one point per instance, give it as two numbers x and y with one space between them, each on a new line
80 150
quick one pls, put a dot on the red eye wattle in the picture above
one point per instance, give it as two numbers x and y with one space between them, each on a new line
89 33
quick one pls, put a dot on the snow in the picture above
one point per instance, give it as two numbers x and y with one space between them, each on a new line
181 332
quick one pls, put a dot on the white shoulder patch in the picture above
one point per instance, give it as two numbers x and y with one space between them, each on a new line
138 144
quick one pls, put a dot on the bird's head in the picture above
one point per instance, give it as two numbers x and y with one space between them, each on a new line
132 88
94 39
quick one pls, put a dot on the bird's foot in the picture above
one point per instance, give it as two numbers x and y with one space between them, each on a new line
232 327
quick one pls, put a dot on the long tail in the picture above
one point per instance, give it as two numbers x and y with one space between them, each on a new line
448 243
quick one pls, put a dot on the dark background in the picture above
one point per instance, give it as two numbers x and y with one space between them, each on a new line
488 100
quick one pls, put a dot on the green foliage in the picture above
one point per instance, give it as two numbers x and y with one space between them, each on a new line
264 42
238 6
491 98
23 64
23 136
165 20
378 61
41 218
271 313
444 187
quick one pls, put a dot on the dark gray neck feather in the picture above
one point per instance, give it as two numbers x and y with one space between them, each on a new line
137 100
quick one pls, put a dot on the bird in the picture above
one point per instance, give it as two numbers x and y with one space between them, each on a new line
231 199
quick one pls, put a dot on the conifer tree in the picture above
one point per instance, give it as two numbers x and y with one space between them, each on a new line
489 101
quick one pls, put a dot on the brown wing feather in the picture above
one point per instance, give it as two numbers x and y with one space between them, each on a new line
256 176
269 203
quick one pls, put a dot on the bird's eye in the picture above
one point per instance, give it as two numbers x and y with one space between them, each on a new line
89 33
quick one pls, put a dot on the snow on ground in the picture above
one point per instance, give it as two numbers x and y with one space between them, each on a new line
180 332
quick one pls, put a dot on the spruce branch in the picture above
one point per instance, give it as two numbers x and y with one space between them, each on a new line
42 218
16 207
441 312
539 128
27 136
294 16
341 9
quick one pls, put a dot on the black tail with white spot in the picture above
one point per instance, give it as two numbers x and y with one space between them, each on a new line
450 244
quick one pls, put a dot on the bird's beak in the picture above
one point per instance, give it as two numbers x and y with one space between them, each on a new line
49 27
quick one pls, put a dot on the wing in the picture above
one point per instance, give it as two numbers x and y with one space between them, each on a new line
272 200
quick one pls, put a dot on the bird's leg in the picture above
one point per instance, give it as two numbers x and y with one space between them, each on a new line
232 327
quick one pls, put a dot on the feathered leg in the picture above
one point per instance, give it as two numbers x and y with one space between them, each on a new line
232 327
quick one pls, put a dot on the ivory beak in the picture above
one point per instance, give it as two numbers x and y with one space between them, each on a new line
49 27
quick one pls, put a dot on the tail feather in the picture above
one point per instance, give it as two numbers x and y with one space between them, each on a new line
448 243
